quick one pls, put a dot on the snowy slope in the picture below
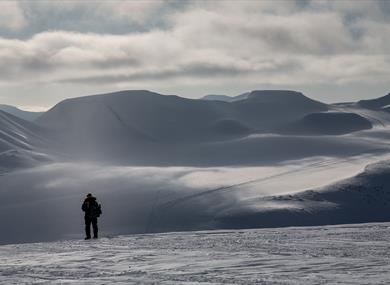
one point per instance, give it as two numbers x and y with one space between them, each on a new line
25 115
362 198
345 254
45 201
329 123
22 143
377 103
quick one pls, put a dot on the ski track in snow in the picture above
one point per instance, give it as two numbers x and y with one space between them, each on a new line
343 254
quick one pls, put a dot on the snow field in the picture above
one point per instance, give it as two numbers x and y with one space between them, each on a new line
344 254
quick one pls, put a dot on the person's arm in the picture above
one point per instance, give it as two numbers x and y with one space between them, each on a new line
84 207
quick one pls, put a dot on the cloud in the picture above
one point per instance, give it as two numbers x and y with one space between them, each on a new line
214 42
11 16
137 11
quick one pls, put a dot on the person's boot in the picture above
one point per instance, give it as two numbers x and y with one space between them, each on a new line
87 238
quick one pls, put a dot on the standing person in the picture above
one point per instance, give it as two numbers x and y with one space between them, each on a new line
92 211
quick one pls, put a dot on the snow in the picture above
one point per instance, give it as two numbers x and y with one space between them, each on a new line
46 200
165 163
23 114
344 254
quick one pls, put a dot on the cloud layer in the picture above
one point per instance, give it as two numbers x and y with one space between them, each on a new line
122 44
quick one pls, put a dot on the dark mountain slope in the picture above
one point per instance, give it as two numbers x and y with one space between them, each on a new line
328 123
376 104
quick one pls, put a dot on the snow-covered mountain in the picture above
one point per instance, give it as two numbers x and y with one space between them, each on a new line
377 104
172 118
142 127
328 123
22 143
25 115
225 98
165 163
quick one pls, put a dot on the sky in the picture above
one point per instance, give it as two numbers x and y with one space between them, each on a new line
332 51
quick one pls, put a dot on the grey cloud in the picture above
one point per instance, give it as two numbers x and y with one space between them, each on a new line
196 70
202 71
12 18
26 18
267 42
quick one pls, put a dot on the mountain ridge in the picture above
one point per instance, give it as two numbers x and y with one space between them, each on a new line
25 115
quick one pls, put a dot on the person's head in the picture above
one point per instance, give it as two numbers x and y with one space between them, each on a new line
89 195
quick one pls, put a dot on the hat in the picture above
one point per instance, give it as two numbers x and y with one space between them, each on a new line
89 195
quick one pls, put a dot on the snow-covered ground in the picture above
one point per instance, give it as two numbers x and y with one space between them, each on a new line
343 254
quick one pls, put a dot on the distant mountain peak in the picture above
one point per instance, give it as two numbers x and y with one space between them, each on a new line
274 94
225 98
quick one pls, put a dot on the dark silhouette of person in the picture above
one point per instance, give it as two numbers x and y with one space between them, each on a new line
92 211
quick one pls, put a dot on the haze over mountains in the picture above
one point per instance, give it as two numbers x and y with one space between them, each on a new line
170 163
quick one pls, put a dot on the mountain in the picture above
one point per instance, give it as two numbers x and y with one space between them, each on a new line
21 142
164 163
25 115
267 110
163 118
141 126
225 98
376 104
328 123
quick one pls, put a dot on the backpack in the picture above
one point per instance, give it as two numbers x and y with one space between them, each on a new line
96 210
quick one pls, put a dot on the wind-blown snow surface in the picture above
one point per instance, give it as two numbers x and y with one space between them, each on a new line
344 254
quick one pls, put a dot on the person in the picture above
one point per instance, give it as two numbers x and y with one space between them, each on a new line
92 211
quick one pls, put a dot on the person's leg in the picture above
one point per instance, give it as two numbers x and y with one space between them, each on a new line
95 228
87 227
